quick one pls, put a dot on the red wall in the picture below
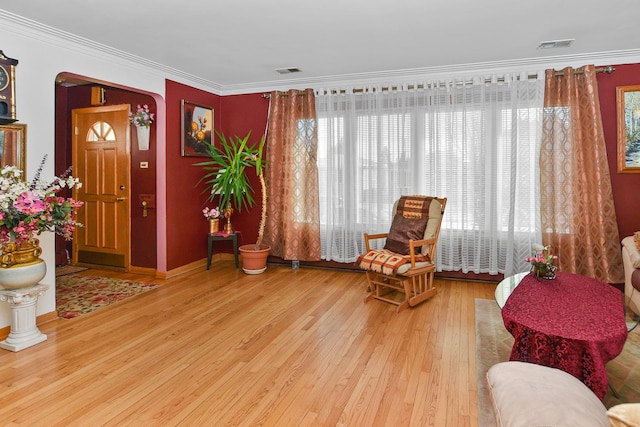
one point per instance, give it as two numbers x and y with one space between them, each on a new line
186 227
626 186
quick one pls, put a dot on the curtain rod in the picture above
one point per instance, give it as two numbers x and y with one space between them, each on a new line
608 70
298 93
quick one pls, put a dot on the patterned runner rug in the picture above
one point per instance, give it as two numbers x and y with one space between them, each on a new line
493 345
77 294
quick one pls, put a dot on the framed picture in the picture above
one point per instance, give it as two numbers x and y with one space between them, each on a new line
197 128
13 146
628 106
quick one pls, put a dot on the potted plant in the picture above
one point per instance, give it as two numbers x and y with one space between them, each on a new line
226 177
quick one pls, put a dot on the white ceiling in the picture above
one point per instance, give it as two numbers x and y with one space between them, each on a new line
238 44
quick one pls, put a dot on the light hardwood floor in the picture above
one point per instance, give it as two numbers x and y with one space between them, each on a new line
285 348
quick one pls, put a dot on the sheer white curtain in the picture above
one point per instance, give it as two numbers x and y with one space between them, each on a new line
475 141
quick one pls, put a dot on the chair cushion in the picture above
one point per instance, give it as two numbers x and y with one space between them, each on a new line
403 229
435 217
526 394
412 208
389 263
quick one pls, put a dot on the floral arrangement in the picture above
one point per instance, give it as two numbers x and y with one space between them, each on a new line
542 261
142 117
211 213
28 209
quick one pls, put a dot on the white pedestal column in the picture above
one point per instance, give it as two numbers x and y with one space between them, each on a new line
24 332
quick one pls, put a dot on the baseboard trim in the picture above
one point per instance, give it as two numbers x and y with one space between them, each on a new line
144 271
196 265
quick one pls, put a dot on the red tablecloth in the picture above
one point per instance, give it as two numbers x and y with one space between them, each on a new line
572 322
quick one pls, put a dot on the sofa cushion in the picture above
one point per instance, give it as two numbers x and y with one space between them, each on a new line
634 254
624 415
526 394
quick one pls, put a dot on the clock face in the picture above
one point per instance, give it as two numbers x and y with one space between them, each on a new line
4 78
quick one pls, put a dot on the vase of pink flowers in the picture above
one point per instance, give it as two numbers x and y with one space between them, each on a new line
142 119
542 262
26 211
213 216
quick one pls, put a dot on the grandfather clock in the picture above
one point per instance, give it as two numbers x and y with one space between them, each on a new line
7 89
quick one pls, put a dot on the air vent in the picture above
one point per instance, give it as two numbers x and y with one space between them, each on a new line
288 70
555 43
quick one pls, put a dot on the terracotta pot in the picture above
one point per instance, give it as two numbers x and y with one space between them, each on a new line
254 261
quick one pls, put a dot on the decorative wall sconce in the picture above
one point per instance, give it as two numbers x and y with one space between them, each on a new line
143 137
142 119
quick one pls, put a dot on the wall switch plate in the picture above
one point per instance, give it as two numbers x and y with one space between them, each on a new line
144 165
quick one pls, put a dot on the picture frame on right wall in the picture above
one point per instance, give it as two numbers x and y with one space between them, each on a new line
628 111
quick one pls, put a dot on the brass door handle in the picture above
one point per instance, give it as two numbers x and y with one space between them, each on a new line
120 199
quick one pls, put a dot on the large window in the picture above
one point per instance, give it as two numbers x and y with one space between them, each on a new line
475 144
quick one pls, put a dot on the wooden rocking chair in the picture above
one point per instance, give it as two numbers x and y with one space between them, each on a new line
402 273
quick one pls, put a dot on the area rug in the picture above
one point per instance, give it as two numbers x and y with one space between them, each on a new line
63 270
77 294
493 345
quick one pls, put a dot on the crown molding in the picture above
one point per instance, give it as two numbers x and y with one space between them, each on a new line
54 36
630 56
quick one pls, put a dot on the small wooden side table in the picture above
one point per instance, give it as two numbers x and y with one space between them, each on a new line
212 237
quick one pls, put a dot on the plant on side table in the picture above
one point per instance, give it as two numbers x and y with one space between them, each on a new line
226 177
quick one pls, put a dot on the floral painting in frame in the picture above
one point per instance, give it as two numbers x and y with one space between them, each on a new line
197 128
628 110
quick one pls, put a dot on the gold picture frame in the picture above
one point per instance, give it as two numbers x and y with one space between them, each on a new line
197 128
628 111
13 146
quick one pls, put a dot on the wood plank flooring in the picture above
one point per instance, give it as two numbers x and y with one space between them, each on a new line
221 348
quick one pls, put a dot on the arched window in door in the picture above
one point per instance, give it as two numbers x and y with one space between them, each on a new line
101 131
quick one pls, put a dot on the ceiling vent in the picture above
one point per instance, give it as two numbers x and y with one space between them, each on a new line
288 70
555 43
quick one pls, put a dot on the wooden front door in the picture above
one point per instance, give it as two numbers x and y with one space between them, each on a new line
100 159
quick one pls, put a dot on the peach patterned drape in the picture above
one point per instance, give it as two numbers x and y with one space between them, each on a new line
293 214
577 212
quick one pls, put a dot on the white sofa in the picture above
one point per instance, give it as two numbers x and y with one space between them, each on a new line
526 395
631 261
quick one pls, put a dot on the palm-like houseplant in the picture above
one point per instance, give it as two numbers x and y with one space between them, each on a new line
226 176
